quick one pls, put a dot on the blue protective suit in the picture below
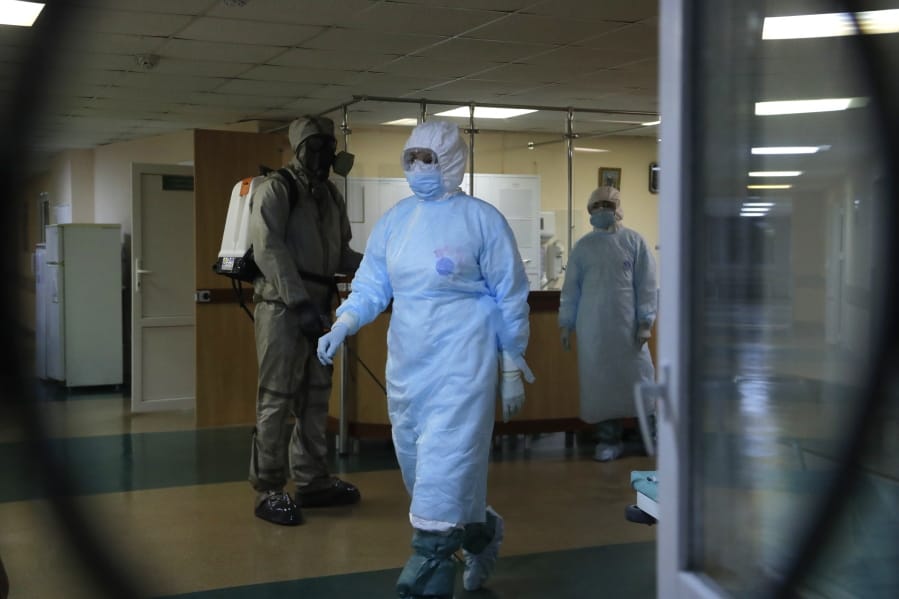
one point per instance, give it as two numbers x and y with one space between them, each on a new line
459 291
609 290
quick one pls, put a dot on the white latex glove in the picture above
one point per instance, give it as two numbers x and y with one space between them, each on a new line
511 388
566 338
329 343
644 332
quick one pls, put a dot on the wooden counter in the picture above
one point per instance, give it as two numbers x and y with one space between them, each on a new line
551 403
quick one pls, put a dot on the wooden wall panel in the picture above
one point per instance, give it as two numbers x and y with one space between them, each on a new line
226 350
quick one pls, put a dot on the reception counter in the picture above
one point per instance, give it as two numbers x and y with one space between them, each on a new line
551 401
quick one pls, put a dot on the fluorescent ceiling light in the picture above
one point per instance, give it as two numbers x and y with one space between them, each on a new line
777 186
757 204
403 122
486 112
830 25
806 106
779 150
651 123
589 150
752 214
775 173
22 14
752 209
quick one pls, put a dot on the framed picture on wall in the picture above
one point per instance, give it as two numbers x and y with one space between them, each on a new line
609 176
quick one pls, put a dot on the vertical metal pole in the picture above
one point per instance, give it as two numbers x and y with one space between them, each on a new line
569 138
423 116
343 425
471 133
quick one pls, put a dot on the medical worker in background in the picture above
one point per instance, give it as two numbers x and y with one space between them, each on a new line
609 297
458 329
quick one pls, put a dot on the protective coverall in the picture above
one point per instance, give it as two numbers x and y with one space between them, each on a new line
609 296
312 237
451 266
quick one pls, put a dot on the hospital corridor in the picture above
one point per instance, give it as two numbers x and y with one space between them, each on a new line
438 299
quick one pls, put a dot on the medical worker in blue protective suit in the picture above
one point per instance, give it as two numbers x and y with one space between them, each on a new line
609 298
451 266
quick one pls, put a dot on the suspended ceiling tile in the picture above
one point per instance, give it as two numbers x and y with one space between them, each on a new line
492 5
334 93
540 29
375 42
345 59
16 37
412 66
111 43
523 73
303 12
322 76
585 59
465 49
639 37
237 102
218 51
145 93
182 7
199 68
76 62
619 10
390 17
249 87
468 89
127 22
247 32
182 83
381 84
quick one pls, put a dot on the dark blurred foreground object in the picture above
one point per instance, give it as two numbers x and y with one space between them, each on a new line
4 581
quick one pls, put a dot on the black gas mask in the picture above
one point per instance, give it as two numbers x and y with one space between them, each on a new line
316 155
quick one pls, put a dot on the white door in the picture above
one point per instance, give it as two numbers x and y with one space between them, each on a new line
773 479
163 362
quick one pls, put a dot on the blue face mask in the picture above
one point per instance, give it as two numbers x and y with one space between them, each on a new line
426 185
602 219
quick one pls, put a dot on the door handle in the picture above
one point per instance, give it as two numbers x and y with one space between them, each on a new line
138 273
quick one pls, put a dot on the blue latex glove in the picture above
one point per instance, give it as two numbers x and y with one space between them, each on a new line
511 388
330 342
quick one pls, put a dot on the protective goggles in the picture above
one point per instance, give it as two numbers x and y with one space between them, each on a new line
320 143
601 205
422 155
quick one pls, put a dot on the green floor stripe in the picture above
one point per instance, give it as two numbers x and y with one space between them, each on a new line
627 570
117 463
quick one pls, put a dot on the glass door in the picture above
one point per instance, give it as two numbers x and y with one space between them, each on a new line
778 454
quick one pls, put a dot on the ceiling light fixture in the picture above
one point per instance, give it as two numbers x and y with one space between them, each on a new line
757 204
776 186
807 106
402 122
18 13
651 123
486 112
830 25
590 150
782 150
752 214
775 173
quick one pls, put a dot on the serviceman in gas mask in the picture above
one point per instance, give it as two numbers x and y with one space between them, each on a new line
298 249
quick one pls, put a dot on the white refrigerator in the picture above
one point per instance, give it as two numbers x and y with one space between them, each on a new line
83 297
